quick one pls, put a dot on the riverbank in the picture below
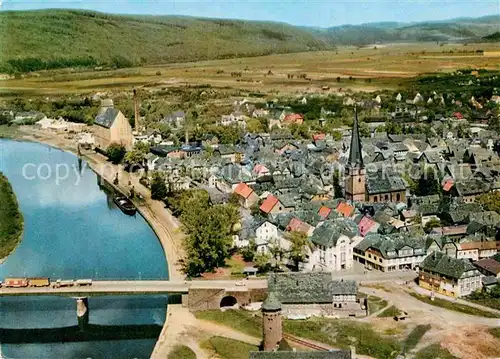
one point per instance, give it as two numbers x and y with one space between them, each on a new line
165 226
11 220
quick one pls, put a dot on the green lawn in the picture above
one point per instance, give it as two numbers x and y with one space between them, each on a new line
11 219
8 131
434 351
181 352
375 304
343 334
487 302
390 312
237 319
443 303
414 337
227 348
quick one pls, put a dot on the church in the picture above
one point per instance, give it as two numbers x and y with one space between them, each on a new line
383 185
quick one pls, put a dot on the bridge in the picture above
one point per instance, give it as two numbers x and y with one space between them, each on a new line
196 294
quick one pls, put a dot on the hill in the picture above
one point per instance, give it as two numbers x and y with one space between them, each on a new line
34 40
46 39
493 37
449 30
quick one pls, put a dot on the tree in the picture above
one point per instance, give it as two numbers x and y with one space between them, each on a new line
490 201
433 223
337 189
158 187
428 184
134 158
298 249
116 152
263 262
209 239
337 135
249 251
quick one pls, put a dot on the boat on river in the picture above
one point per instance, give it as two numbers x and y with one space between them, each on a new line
125 205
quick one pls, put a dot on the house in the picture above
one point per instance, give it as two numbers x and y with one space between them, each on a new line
246 195
236 118
315 294
111 126
272 205
324 212
367 225
175 119
488 267
449 276
345 209
469 189
296 225
293 118
267 234
333 246
391 252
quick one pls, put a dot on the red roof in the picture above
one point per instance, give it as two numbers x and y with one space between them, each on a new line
243 190
269 203
260 169
294 117
365 225
458 115
345 209
448 184
324 212
319 136
296 225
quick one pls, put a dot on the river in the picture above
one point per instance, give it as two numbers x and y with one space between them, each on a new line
74 230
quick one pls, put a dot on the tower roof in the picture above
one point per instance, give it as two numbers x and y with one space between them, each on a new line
271 303
355 154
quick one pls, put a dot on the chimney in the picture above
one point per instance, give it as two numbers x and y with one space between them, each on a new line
136 111
186 139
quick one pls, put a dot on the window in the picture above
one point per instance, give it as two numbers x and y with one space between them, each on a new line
359 180
386 197
398 197
375 199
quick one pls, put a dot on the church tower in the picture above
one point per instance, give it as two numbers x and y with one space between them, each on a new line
355 176
271 322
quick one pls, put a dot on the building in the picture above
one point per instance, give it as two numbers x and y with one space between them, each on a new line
449 276
389 253
333 246
111 126
315 294
276 347
355 175
246 195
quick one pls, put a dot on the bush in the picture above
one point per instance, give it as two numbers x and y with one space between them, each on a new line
116 152
415 336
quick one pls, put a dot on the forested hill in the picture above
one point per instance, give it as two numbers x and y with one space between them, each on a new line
33 40
45 39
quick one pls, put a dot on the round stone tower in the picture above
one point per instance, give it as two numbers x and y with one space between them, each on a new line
271 322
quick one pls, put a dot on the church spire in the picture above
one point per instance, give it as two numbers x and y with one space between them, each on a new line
355 154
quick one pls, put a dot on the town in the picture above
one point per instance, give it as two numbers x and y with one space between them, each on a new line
330 195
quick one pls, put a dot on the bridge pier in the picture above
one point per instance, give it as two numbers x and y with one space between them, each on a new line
82 312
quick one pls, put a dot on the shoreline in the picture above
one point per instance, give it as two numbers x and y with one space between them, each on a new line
158 218
19 221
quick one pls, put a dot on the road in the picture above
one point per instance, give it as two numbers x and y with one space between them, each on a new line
136 287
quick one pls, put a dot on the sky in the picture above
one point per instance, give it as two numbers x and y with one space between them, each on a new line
320 13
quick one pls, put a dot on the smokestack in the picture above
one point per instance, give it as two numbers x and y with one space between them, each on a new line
136 111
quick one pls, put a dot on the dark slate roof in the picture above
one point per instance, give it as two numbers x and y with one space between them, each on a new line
106 117
439 262
332 354
355 153
384 182
390 245
308 287
330 231
271 303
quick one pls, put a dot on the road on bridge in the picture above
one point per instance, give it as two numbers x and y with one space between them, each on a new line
136 287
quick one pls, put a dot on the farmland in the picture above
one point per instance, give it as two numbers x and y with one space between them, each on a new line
367 68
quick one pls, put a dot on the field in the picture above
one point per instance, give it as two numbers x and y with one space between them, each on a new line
368 69
11 220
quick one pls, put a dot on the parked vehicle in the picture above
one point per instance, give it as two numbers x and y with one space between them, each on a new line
401 316
15 283
38 282
63 283
83 282
125 205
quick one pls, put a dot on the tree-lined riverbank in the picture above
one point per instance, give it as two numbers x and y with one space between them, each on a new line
11 219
